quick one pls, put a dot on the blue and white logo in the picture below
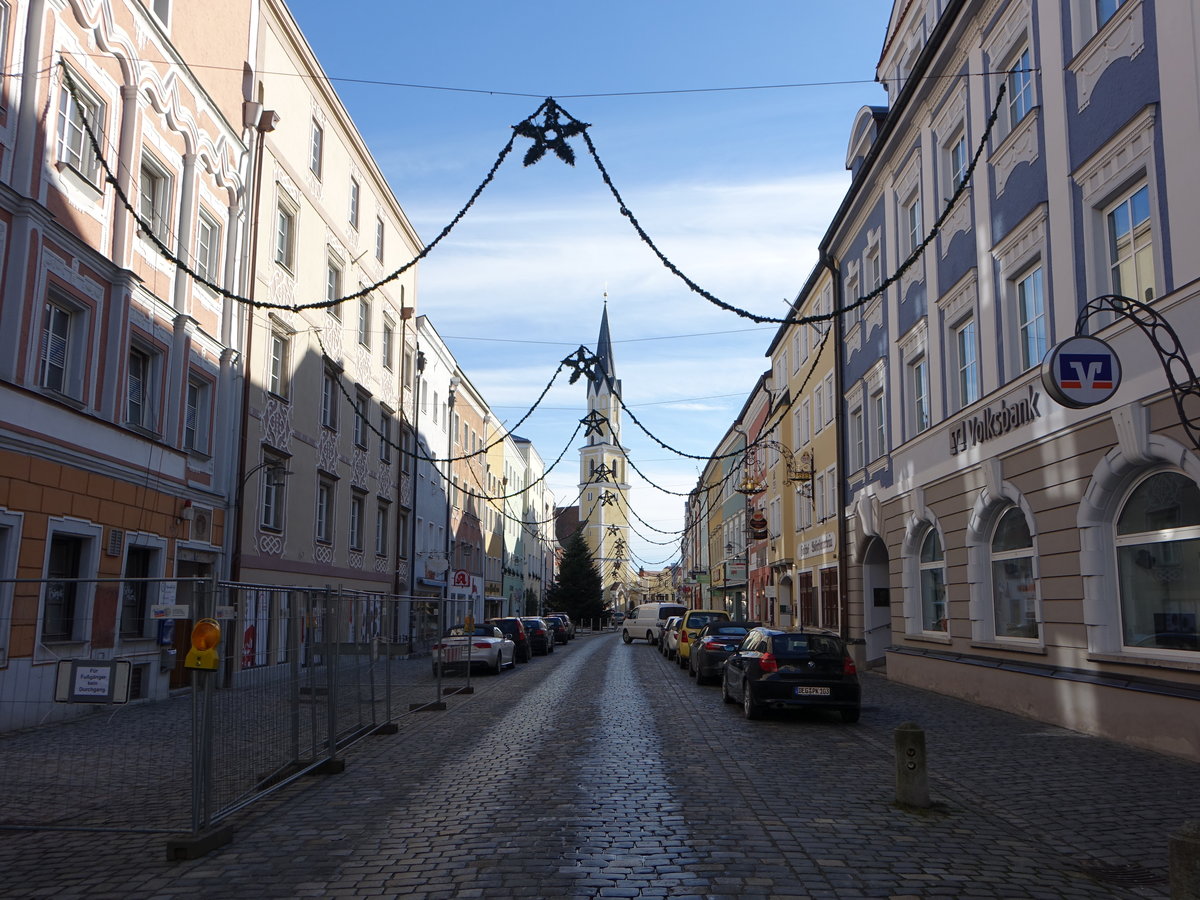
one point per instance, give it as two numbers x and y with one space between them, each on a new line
1081 371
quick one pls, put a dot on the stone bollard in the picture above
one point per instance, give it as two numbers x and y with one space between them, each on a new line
1185 862
912 776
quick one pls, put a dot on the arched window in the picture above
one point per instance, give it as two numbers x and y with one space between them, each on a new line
1014 588
933 583
1158 563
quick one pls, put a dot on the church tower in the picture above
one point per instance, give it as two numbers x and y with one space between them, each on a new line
603 472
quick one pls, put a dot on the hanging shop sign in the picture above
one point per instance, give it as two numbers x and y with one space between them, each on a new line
1081 371
995 421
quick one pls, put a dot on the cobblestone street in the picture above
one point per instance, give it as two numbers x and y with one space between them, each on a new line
603 771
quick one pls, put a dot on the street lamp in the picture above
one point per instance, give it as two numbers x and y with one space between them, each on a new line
455 381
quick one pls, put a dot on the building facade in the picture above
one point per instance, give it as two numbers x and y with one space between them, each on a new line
118 370
1034 557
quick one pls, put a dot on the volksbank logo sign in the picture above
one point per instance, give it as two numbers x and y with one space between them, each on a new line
1081 371
995 421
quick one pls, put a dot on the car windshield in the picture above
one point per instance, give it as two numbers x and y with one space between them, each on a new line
806 645
728 630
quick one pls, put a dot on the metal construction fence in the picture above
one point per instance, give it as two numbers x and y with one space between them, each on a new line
300 675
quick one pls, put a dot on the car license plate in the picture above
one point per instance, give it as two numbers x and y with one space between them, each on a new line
812 692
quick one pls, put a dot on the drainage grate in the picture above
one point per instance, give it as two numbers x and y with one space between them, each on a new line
1120 874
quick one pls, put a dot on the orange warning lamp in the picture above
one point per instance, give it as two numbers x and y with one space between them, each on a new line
206 635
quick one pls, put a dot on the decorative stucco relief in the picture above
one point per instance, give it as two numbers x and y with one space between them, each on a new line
277 423
1122 37
1019 147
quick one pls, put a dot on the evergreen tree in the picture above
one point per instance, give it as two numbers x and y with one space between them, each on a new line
578 591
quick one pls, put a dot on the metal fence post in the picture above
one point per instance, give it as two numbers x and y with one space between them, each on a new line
333 621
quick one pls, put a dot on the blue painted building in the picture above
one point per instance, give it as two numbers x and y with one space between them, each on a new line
999 546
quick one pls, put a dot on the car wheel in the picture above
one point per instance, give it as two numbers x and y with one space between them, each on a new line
750 709
725 691
499 665
691 671
650 638
626 638
850 716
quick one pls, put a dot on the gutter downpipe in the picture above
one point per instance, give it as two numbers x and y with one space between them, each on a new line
830 262
266 123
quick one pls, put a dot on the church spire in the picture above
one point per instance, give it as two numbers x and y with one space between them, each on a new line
606 369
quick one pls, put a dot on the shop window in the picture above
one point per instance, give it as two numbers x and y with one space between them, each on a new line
136 591
934 612
1158 563
70 562
1014 577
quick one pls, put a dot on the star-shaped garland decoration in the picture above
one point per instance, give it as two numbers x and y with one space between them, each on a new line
551 134
582 363
595 422
613 529
608 498
602 473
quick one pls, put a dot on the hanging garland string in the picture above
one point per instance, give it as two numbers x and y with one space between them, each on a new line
550 134
148 230
713 457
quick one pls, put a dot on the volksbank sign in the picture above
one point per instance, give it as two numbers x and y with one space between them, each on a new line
995 421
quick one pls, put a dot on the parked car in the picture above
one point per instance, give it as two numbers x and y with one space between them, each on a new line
645 621
484 646
515 629
558 628
774 669
668 645
712 645
569 623
541 640
617 618
693 621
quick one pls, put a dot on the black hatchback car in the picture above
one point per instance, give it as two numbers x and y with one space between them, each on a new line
515 629
559 628
541 640
713 644
775 669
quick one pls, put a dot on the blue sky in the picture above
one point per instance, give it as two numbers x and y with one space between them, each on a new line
735 187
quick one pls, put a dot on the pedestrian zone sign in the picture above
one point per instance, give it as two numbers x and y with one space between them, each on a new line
1081 371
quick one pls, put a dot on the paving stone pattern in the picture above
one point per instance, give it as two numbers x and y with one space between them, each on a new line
604 771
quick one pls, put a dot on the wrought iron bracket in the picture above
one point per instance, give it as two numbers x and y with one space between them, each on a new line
1181 377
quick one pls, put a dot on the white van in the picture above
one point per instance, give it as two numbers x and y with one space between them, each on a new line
645 622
